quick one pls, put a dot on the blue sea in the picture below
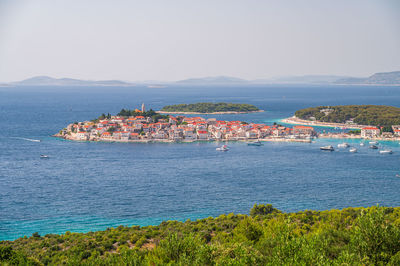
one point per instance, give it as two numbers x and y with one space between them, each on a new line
91 186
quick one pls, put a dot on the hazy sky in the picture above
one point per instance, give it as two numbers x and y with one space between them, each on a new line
172 40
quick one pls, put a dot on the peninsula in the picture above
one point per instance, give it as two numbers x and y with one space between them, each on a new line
209 108
149 126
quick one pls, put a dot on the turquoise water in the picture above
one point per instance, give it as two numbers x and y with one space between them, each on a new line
91 186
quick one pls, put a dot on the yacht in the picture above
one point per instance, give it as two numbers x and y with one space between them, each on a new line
373 143
327 148
362 144
374 147
343 145
254 143
42 156
353 150
386 152
223 148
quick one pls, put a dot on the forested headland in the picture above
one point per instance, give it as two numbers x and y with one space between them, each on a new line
352 236
373 115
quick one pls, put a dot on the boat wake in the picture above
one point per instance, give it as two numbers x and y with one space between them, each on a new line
32 140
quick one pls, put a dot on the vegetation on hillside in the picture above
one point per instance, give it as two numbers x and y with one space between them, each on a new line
210 107
150 113
374 115
352 236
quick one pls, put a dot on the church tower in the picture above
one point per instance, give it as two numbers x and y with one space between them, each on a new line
143 108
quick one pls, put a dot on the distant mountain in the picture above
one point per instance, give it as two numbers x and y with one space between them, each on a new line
213 80
49 81
384 78
307 79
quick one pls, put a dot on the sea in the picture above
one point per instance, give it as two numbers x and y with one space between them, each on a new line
87 186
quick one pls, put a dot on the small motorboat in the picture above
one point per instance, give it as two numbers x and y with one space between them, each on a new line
373 142
386 152
254 143
223 148
343 145
353 150
43 156
374 147
362 144
398 175
327 148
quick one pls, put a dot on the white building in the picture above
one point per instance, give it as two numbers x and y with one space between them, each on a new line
370 132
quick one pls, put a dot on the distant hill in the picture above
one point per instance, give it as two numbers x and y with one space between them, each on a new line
307 79
213 80
384 78
49 81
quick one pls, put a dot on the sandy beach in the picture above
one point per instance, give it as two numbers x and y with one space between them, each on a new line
297 121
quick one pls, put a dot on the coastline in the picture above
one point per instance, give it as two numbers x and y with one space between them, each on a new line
272 139
214 113
297 121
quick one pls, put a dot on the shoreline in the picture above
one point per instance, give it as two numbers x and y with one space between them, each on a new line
297 121
214 113
185 141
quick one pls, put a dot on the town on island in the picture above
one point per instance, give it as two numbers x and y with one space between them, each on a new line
140 125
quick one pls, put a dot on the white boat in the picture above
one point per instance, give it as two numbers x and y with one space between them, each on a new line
373 142
327 148
254 143
374 147
42 156
352 149
343 145
223 148
362 144
386 152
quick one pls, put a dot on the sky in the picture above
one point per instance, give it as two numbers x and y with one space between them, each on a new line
170 40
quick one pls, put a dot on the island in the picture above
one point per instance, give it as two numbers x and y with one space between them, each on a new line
265 236
210 108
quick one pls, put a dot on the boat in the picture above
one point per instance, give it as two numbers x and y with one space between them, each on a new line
33 140
327 148
42 156
352 149
386 152
398 175
362 144
373 142
223 148
343 145
254 143
374 147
